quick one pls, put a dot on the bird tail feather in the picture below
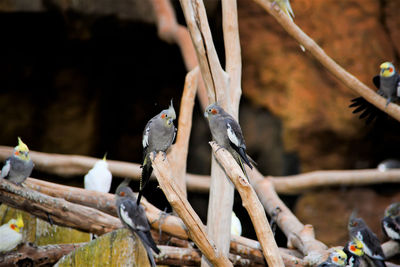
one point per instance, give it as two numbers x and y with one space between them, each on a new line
147 169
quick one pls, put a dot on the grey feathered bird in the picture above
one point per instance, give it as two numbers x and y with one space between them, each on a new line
388 84
158 135
134 217
336 259
227 133
19 166
391 221
371 245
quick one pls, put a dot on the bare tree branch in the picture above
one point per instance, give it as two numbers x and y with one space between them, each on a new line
252 205
61 211
197 231
299 236
348 79
180 149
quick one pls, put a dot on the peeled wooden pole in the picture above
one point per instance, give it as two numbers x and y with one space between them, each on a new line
196 229
252 204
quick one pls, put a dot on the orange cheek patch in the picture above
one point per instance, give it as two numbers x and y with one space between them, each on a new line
352 248
13 226
122 194
335 259
214 111
163 116
16 153
390 69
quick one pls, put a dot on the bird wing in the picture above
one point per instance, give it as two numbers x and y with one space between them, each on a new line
377 81
133 216
6 168
236 139
398 86
146 132
371 243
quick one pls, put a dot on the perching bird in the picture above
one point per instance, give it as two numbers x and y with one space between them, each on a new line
10 234
158 135
388 84
371 245
336 258
133 216
236 226
354 250
99 177
227 133
19 166
391 222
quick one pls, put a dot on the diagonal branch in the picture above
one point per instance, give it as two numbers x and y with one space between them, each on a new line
197 231
252 205
348 79
180 149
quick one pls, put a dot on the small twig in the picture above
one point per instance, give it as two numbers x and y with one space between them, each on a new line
197 231
62 212
252 204
348 79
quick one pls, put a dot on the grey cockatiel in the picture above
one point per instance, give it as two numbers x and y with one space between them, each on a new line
19 166
134 217
158 135
372 247
227 133
388 84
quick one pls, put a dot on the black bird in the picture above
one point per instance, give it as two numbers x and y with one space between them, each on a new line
134 217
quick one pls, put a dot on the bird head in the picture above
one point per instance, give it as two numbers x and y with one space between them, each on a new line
356 223
338 257
21 150
168 115
212 110
393 210
387 69
16 224
123 190
356 247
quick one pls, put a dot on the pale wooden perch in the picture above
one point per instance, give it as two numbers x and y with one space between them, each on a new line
345 77
196 229
179 150
299 236
61 211
252 205
66 165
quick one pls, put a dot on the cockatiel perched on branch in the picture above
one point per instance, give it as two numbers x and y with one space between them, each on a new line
133 216
158 135
10 236
19 166
388 84
227 133
372 247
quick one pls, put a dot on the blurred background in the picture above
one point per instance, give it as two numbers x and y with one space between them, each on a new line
84 77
